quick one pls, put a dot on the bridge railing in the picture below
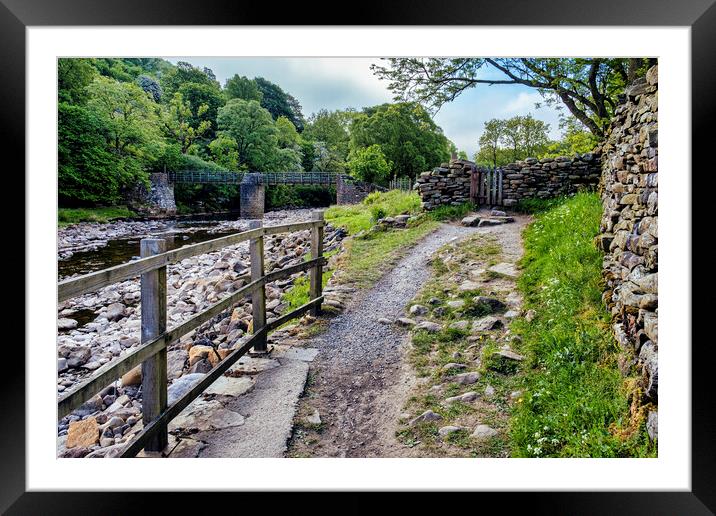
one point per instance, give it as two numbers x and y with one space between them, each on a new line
155 337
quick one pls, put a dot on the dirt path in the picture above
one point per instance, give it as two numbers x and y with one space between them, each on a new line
359 379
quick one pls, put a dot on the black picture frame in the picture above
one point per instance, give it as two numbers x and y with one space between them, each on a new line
700 15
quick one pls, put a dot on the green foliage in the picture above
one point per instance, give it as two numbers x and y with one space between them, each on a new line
358 217
177 120
184 73
535 205
73 77
284 196
369 164
240 87
575 140
279 103
510 140
66 216
451 212
407 135
297 295
253 130
575 402
333 129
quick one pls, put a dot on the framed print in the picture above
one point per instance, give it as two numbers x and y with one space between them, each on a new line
413 252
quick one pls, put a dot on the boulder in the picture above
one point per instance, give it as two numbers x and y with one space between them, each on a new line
83 433
133 377
115 312
466 378
426 416
428 326
470 221
486 324
65 324
418 310
482 432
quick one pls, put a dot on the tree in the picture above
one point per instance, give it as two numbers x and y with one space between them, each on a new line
490 141
326 160
575 140
128 115
240 87
279 103
286 134
73 77
369 164
184 73
506 141
177 120
253 130
407 136
225 152
198 95
587 87
332 128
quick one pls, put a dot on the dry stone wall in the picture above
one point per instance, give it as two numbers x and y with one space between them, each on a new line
549 177
629 231
446 185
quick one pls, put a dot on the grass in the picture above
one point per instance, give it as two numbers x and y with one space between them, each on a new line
576 402
451 212
360 217
67 216
297 295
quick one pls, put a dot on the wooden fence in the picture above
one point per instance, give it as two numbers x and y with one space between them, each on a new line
486 187
155 338
403 183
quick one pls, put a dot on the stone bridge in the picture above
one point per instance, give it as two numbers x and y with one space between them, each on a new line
252 187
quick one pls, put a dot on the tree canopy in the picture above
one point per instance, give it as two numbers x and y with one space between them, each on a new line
587 87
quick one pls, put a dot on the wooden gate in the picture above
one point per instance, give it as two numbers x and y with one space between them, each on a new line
486 187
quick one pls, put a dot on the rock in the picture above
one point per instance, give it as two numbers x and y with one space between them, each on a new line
115 312
464 398
466 378
202 366
78 357
497 213
456 304
468 286
405 322
83 433
511 314
470 221
428 326
204 415
114 422
383 320
493 221
62 365
75 453
504 361
231 386
108 452
530 315
489 391
486 324
484 432
460 325
426 416
492 303
314 419
453 366
92 405
447 430
418 310
181 386
65 324
506 269
201 352
133 377
515 395
176 359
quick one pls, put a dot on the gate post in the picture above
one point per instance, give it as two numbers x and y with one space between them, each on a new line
154 323
258 296
316 272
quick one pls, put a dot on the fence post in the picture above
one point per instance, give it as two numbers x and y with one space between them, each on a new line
316 272
258 297
154 323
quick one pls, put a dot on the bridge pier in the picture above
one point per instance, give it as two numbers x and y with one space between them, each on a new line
252 193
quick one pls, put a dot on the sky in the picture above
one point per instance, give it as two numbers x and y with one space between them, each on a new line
339 83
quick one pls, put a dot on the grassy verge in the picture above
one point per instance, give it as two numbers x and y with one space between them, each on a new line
66 216
361 216
576 401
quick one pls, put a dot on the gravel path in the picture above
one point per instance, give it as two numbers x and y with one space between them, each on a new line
360 377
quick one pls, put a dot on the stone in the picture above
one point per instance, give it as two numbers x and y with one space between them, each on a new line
202 352
314 418
181 386
468 286
62 364
405 322
497 213
486 324
460 325
453 366
247 365
470 221
530 315
463 398
466 378
482 432
202 366
447 430
66 324
115 312
203 416
456 304
418 310
491 302
384 320
133 377
428 326
652 425
426 416
489 391
176 359
506 269
231 386
78 357
84 433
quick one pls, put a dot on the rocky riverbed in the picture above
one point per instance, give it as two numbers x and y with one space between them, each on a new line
102 425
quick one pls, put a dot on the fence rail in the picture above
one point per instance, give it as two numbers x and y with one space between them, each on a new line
151 353
267 178
403 183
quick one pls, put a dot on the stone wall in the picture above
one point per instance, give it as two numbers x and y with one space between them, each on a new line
350 191
252 193
549 177
629 231
158 200
449 184
446 185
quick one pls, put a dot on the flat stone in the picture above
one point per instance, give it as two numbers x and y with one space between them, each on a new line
470 220
428 326
418 310
464 398
447 430
405 322
455 304
384 320
251 365
228 386
460 325
506 269
483 432
295 353
83 433
182 385
453 366
468 286
428 415
486 323
65 324
314 418
508 355
466 378
204 416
